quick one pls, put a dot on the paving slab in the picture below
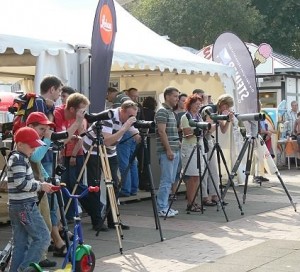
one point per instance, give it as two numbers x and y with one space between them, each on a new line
265 238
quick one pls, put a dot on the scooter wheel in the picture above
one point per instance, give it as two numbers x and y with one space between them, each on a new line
87 263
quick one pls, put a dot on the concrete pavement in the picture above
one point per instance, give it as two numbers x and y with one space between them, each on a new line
265 238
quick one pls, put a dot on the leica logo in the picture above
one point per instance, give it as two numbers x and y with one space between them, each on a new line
105 24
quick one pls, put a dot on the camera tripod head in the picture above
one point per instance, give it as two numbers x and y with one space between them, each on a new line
57 146
56 178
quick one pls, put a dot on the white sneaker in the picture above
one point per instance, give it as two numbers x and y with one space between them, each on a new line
163 214
174 211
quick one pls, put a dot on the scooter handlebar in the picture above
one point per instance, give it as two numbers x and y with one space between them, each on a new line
91 189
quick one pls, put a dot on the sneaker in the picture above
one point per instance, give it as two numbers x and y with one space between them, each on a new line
174 211
47 263
163 214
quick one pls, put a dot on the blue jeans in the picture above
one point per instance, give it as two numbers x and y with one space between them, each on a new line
31 236
125 151
168 170
52 197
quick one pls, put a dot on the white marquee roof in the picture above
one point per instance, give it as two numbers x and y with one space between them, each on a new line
136 47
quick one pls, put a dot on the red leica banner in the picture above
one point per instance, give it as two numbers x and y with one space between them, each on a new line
103 39
230 50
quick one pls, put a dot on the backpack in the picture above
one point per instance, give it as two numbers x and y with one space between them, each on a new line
23 106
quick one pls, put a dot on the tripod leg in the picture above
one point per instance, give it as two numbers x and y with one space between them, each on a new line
236 165
248 167
286 191
263 150
79 177
154 204
63 217
219 167
230 182
180 181
111 194
4 169
216 189
204 173
3 172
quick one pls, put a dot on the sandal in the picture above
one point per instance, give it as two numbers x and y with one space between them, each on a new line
70 234
60 252
193 208
209 203
199 206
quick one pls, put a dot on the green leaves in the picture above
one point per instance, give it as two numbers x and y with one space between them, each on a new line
197 23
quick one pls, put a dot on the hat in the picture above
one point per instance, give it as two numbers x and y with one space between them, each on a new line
40 118
28 136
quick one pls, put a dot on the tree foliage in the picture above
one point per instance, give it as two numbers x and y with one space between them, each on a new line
282 25
197 23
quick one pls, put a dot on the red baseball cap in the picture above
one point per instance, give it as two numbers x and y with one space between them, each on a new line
40 118
28 136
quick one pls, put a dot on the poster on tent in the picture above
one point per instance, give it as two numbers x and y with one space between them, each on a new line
230 50
103 38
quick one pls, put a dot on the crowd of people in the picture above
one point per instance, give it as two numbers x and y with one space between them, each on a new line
33 208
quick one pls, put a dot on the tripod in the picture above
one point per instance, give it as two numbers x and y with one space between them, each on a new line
263 152
101 153
198 147
249 143
57 170
146 161
220 155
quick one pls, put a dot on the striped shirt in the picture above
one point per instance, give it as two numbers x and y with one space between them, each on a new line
22 187
120 98
165 115
109 126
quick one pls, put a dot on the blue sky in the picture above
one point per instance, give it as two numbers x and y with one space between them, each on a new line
59 20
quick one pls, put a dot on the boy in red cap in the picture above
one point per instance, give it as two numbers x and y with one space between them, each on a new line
30 233
42 125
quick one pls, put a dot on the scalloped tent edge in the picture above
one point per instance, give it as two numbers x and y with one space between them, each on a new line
136 48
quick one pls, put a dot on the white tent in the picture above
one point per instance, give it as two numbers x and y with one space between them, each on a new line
137 51
24 59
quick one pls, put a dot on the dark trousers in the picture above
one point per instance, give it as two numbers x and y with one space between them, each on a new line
93 178
70 176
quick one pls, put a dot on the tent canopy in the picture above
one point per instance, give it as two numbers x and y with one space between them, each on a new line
18 56
136 48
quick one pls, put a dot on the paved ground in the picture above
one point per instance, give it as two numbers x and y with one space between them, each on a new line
265 238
